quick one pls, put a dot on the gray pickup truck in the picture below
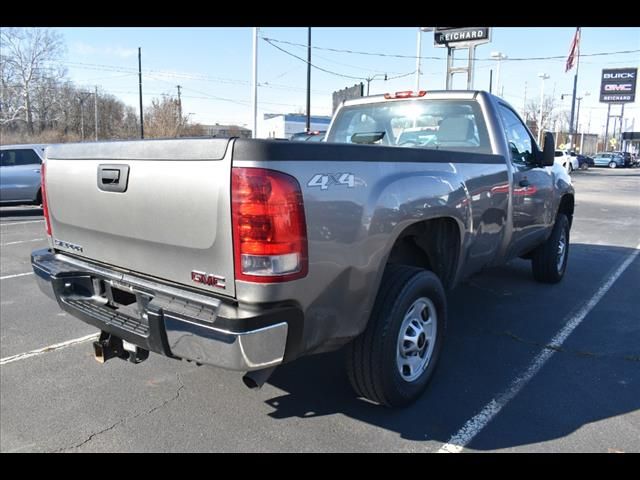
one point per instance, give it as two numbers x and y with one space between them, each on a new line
245 254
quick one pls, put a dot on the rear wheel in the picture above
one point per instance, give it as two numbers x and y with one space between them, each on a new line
392 361
613 165
570 168
549 260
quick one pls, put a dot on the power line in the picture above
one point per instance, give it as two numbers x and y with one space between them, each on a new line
197 77
314 66
329 71
513 59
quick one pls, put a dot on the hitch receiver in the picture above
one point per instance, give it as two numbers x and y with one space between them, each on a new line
109 346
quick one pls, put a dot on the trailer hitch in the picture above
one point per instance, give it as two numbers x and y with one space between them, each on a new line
109 346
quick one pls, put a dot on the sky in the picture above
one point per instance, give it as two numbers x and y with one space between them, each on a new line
213 66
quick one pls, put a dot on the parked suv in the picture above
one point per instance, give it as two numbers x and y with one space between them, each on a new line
608 159
628 161
20 174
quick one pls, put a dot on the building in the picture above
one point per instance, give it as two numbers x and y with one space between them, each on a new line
225 131
631 142
585 143
279 125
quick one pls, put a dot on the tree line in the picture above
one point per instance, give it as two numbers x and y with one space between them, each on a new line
39 104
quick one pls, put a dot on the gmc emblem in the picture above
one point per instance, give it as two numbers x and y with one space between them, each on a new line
208 279
626 87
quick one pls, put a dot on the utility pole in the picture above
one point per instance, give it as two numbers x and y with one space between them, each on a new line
606 130
179 104
140 85
308 129
95 110
491 81
82 98
573 100
254 79
621 120
524 102
82 119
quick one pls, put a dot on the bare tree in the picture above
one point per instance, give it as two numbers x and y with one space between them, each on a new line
549 113
24 53
162 119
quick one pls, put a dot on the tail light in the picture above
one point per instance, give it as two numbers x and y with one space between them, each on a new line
45 206
269 229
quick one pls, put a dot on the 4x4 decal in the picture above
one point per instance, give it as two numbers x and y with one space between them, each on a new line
324 181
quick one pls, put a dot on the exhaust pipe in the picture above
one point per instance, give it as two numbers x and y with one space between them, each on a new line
257 378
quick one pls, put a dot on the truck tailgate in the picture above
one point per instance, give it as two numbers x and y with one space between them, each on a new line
166 215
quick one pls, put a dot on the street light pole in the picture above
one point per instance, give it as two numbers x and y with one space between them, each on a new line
499 56
418 50
586 94
543 77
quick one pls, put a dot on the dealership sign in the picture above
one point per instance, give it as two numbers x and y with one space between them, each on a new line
618 85
460 36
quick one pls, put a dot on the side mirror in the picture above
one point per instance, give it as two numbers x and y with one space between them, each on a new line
548 150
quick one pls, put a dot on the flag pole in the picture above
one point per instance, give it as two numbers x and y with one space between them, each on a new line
575 85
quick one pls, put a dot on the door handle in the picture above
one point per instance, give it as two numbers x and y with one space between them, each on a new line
113 178
110 177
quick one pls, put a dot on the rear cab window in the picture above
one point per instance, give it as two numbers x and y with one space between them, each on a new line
422 123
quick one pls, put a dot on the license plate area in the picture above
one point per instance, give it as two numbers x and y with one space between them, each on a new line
124 299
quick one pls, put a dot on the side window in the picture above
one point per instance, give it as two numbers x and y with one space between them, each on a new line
7 158
520 142
27 157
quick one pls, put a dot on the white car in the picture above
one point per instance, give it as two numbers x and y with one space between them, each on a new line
567 159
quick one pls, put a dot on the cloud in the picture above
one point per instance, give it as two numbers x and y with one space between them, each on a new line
82 48
121 52
86 49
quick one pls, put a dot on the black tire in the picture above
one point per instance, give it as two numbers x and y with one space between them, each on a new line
372 365
38 200
570 169
584 166
546 264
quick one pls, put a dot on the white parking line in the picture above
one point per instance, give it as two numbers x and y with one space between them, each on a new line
475 425
50 348
20 223
22 241
16 275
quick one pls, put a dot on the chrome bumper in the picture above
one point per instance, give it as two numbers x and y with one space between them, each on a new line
173 322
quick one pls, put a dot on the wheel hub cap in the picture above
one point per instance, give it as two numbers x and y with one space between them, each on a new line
562 250
416 339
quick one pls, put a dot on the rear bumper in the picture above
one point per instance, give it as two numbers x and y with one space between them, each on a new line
164 319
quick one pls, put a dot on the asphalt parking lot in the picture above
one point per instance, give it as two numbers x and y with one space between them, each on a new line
504 381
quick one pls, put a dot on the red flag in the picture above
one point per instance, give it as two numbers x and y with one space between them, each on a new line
574 51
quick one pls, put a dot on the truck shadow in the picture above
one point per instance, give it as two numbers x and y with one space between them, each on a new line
497 325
